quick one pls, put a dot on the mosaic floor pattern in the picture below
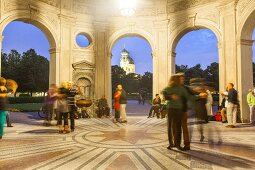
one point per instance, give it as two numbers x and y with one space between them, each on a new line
139 144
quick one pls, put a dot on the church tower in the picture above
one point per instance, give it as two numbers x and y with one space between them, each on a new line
126 62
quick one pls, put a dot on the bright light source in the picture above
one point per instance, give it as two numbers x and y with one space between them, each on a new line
127 7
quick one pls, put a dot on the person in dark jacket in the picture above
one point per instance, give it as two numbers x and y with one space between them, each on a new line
155 106
103 107
72 92
232 106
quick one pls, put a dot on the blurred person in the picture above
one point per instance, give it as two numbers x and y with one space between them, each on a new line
104 109
251 104
123 104
155 106
3 105
50 103
232 106
184 118
209 103
174 93
63 108
223 107
72 92
117 105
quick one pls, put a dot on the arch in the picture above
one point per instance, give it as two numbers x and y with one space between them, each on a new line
127 32
247 24
183 29
39 22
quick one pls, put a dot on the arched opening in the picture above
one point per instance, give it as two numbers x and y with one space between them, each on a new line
245 50
132 66
26 57
28 63
197 56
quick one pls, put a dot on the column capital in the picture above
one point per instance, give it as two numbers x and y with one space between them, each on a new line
54 50
245 42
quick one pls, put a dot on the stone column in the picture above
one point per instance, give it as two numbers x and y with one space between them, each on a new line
103 63
245 75
222 69
162 54
171 63
54 66
108 79
229 44
66 41
155 81
1 42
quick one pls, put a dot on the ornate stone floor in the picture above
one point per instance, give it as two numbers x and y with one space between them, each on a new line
139 144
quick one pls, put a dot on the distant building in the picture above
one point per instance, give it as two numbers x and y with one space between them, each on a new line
126 62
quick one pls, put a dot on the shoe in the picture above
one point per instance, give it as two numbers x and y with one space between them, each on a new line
185 148
123 121
0 137
179 148
10 126
230 126
170 147
225 121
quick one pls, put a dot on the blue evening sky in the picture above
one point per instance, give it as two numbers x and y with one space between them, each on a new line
194 47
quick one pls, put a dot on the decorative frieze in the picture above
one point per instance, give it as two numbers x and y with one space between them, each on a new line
185 4
55 3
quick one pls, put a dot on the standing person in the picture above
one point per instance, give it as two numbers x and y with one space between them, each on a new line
117 106
63 108
50 101
209 103
232 105
71 102
123 104
103 107
184 118
251 103
223 107
155 106
3 103
174 94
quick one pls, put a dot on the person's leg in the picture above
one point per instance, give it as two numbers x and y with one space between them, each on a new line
8 121
234 115
177 120
150 111
66 127
253 115
170 128
72 115
2 122
223 115
60 117
230 115
124 114
185 130
156 111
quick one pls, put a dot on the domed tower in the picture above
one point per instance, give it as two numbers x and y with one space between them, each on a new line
126 62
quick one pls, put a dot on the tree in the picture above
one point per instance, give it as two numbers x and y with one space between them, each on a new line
118 75
34 70
30 71
146 81
212 74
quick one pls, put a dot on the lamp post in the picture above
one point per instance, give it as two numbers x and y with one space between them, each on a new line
127 7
